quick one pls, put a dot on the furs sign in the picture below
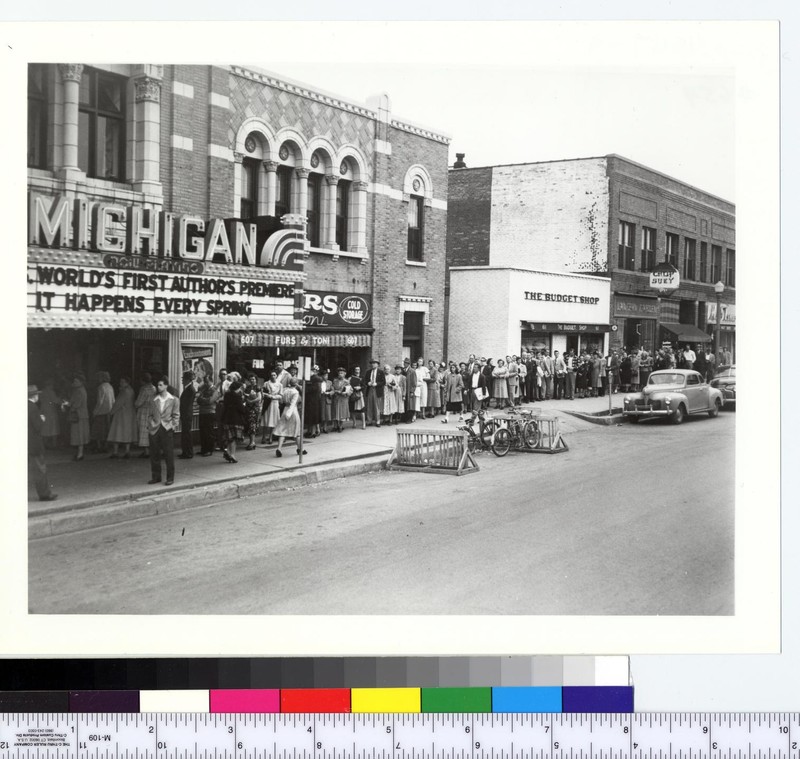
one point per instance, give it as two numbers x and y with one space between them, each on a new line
323 309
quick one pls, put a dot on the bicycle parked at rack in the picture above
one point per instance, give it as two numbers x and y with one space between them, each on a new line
482 439
519 431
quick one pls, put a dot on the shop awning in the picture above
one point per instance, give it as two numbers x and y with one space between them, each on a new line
299 340
686 333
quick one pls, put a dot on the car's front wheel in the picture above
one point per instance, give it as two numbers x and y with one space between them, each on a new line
715 411
678 414
633 419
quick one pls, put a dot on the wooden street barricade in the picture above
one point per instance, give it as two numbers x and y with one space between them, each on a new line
429 450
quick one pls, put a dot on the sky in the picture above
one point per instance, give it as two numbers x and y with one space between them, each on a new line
678 122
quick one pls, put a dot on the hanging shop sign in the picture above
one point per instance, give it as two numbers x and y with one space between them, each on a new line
297 340
665 277
70 290
144 238
323 309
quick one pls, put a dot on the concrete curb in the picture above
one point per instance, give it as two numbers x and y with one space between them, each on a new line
129 508
604 420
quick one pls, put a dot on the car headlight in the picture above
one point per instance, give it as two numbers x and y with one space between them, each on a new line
667 401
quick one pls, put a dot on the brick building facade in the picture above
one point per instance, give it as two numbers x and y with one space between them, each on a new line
276 219
605 217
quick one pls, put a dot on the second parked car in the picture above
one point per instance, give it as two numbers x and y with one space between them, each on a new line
673 394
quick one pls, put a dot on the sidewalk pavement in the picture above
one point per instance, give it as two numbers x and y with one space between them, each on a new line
99 490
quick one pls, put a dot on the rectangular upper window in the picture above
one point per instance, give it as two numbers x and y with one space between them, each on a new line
730 270
37 115
101 124
416 214
627 255
648 248
672 248
702 272
716 263
689 257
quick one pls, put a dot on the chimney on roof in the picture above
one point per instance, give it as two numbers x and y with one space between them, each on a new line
459 164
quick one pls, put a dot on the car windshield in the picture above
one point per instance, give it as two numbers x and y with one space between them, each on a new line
666 379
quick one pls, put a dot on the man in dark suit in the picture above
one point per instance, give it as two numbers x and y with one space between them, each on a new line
187 414
375 382
163 416
37 469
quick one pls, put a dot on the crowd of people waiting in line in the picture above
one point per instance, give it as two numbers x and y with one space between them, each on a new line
237 411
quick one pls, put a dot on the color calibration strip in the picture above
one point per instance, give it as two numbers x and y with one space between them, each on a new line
417 685
566 699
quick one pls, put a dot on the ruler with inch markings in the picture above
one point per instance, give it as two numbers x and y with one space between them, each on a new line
400 736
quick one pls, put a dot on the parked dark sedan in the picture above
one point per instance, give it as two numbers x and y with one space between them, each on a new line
725 381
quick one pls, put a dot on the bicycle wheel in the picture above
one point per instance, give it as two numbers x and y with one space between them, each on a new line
532 434
501 442
487 432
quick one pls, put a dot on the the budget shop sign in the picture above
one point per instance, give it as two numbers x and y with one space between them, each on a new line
323 309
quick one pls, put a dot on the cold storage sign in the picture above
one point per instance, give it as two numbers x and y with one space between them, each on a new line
323 309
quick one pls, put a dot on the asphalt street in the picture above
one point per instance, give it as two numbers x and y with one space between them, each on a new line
633 519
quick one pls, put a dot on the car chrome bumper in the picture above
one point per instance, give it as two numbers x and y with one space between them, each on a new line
646 412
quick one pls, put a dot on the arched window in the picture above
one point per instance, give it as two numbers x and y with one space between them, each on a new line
342 212
248 201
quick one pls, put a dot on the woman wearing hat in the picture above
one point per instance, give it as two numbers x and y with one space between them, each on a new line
357 397
342 390
400 392
78 415
389 394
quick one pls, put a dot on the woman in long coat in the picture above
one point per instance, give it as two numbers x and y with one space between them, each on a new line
123 429
272 393
512 379
357 404
313 414
389 395
234 419
289 423
400 392
434 396
597 381
500 386
625 372
101 415
254 402
326 401
453 392
78 416
342 390
635 371
147 392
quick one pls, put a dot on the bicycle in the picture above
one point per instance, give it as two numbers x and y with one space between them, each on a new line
482 439
519 433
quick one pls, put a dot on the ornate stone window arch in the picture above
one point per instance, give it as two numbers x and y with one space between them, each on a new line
418 182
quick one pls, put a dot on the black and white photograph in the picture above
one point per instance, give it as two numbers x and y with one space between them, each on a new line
417 332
